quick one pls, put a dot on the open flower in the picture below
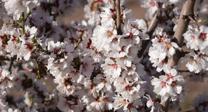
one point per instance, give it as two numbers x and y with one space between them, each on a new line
197 39
198 62
111 68
168 85
101 104
162 49
102 38
126 104
65 85
17 7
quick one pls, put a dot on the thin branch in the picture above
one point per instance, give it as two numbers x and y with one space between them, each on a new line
118 16
4 58
153 24
157 18
11 63
183 22
166 106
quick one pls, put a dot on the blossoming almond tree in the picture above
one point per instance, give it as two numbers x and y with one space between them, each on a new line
107 62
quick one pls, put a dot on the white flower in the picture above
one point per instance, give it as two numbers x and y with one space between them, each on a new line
21 50
138 25
12 110
120 102
12 46
106 17
104 85
135 30
129 93
92 10
102 37
53 68
111 68
102 104
175 1
91 15
17 7
28 100
124 87
168 85
151 5
197 63
64 85
14 7
24 51
160 51
197 39
3 74
194 67
20 45
126 105
31 32
53 46
157 54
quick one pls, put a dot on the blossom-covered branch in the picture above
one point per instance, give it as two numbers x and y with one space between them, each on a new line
109 61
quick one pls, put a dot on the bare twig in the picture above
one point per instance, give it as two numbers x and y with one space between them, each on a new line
118 16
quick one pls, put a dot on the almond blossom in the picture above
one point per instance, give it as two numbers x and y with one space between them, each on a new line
111 68
162 49
94 64
102 103
197 38
168 85
197 63
102 38
17 7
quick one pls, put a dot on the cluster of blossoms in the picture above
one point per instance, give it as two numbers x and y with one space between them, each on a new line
91 65
168 85
161 50
16 7
119 52
14 44
196 40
